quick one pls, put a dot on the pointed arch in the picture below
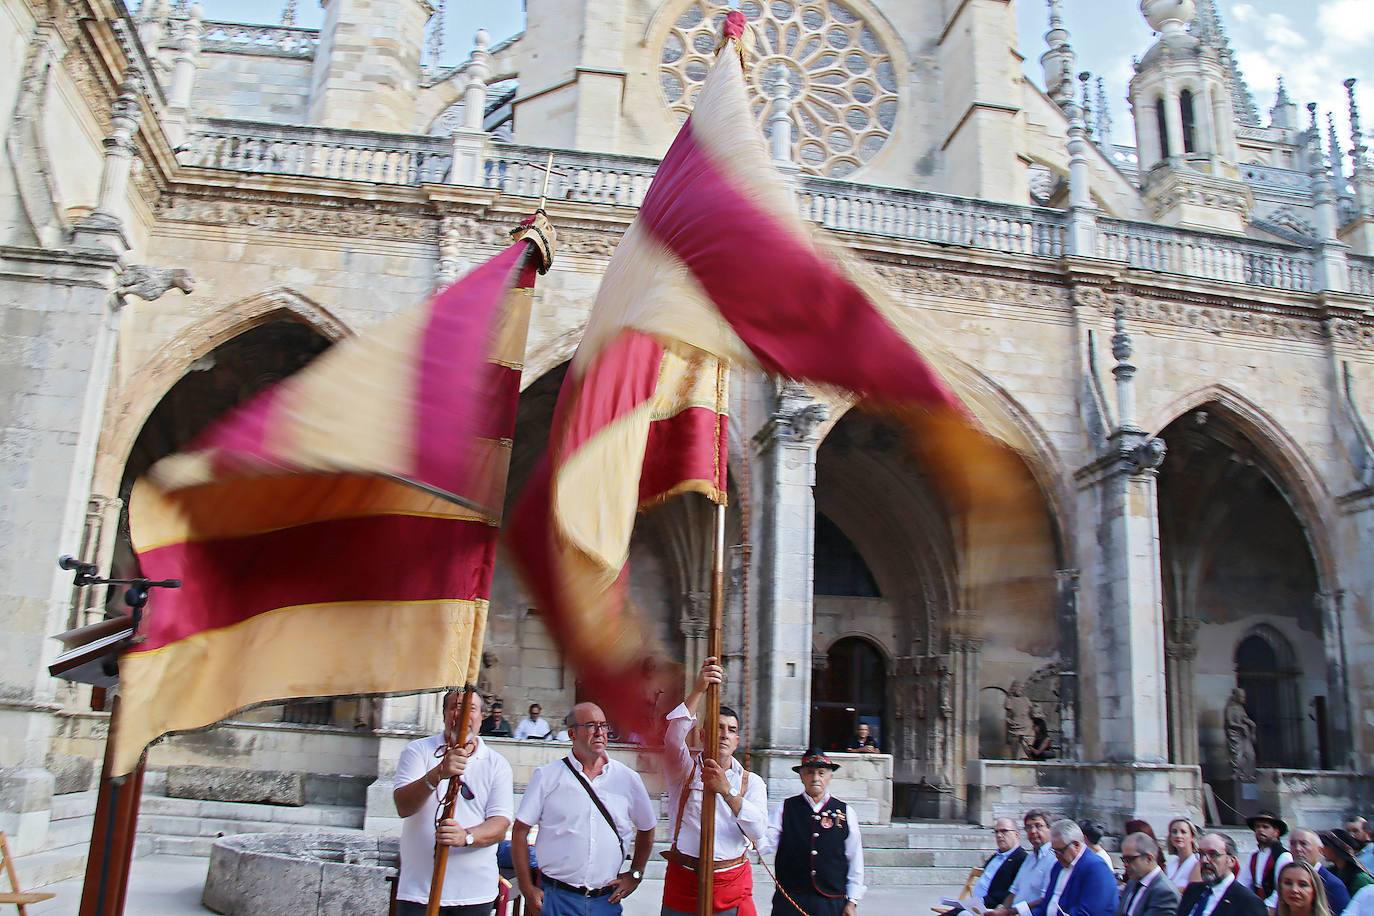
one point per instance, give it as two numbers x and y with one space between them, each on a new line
134 403
1294 475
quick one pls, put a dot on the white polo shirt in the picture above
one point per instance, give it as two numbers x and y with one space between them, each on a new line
471 875
575 844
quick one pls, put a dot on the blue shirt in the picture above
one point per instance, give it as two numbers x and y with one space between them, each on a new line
1033 878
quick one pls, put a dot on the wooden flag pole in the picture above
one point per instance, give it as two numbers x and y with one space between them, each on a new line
436 880
710 722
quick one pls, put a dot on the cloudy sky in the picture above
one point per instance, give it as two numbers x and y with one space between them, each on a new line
1314 44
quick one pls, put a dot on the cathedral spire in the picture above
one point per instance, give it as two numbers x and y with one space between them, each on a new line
1058 61
1358 150
435 46
1208 27
1104 118
1284 114
288 14
1333 145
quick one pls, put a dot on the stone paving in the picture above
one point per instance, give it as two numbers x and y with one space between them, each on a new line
164 885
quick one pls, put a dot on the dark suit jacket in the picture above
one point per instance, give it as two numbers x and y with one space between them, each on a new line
1090 890
1337 897
1001 882
1237 901
1159 899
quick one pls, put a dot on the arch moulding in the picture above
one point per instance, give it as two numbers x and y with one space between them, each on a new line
151 381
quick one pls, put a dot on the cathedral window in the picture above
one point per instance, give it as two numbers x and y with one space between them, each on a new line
1161 121
842 79
1185 110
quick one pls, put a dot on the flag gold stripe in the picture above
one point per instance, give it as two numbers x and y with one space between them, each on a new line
303 651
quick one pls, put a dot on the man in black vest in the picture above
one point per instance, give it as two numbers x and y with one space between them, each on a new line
999 871
1260 871
820 857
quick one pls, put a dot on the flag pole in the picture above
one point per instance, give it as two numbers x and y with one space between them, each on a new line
710 722
436 881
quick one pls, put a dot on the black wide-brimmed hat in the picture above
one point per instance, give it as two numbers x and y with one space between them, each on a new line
815 757
1269 816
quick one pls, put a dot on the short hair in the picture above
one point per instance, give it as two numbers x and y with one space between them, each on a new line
999 820
1067 831
534 706
727 711
1092 831
1230 844
1034 813
1145 845
1136 825
1355 820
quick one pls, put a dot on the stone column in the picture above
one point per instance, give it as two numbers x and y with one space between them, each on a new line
1331 606
1146 135
966 654
786 539
1066 581
1180 649
103 227
470 141
1203 130
1173 122
1128 647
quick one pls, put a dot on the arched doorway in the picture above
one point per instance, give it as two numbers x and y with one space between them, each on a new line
849 689
1240 595
1265 671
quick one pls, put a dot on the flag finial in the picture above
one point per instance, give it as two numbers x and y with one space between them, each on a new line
734 30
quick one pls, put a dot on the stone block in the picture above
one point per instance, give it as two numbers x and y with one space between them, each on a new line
236 785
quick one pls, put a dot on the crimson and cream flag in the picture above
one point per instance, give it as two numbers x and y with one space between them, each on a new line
718 270
336 534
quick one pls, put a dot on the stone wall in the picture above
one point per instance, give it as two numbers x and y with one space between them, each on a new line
1111 793
252 87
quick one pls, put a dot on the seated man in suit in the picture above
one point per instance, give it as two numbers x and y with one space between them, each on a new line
1081 884
1219 893
1147 891
998 871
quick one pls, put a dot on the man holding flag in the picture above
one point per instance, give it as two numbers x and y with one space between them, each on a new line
481 816
741 814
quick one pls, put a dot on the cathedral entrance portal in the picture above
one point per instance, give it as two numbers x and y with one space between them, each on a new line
848 689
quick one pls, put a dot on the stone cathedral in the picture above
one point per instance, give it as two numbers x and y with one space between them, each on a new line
1179 317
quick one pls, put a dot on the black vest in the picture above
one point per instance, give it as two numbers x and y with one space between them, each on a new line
811 855
1001 882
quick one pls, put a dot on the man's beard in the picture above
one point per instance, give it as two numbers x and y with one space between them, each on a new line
1211 877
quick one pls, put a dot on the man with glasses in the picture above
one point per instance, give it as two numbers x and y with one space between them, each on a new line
741 809
586 806
481 814
1028 889
1219 893
1147 891
1081 884
1307 847
999 871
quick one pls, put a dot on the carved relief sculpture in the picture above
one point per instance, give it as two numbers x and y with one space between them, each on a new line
1019 709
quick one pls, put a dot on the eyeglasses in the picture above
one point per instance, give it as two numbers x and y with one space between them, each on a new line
1128 859
1215 856
594 726
1005 830
1059 850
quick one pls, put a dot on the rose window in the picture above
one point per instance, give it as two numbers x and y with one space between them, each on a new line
839 76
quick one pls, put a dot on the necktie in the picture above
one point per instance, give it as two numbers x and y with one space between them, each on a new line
1201 903
1130 904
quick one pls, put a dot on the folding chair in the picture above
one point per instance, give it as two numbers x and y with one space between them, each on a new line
973 875
14 894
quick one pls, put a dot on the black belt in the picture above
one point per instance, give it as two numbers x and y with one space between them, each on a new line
583 891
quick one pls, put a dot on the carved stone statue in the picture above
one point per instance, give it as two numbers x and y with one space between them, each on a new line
1240 737
1019 709
149 283
491 679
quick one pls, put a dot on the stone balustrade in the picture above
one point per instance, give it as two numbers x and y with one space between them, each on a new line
266 40
1213 257
346 155
402 159
935 218
1361 275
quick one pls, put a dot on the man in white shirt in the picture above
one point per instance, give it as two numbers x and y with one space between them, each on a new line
1148 892
820 855
481 814
1218 893
1029 887
741 809
580 849
1260 872
534 726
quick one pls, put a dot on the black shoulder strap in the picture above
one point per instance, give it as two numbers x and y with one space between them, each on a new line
596 800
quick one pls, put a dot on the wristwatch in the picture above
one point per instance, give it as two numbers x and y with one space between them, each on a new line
469 840
734 793
636 874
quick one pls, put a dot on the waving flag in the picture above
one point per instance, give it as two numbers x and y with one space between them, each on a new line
336 534
718 269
